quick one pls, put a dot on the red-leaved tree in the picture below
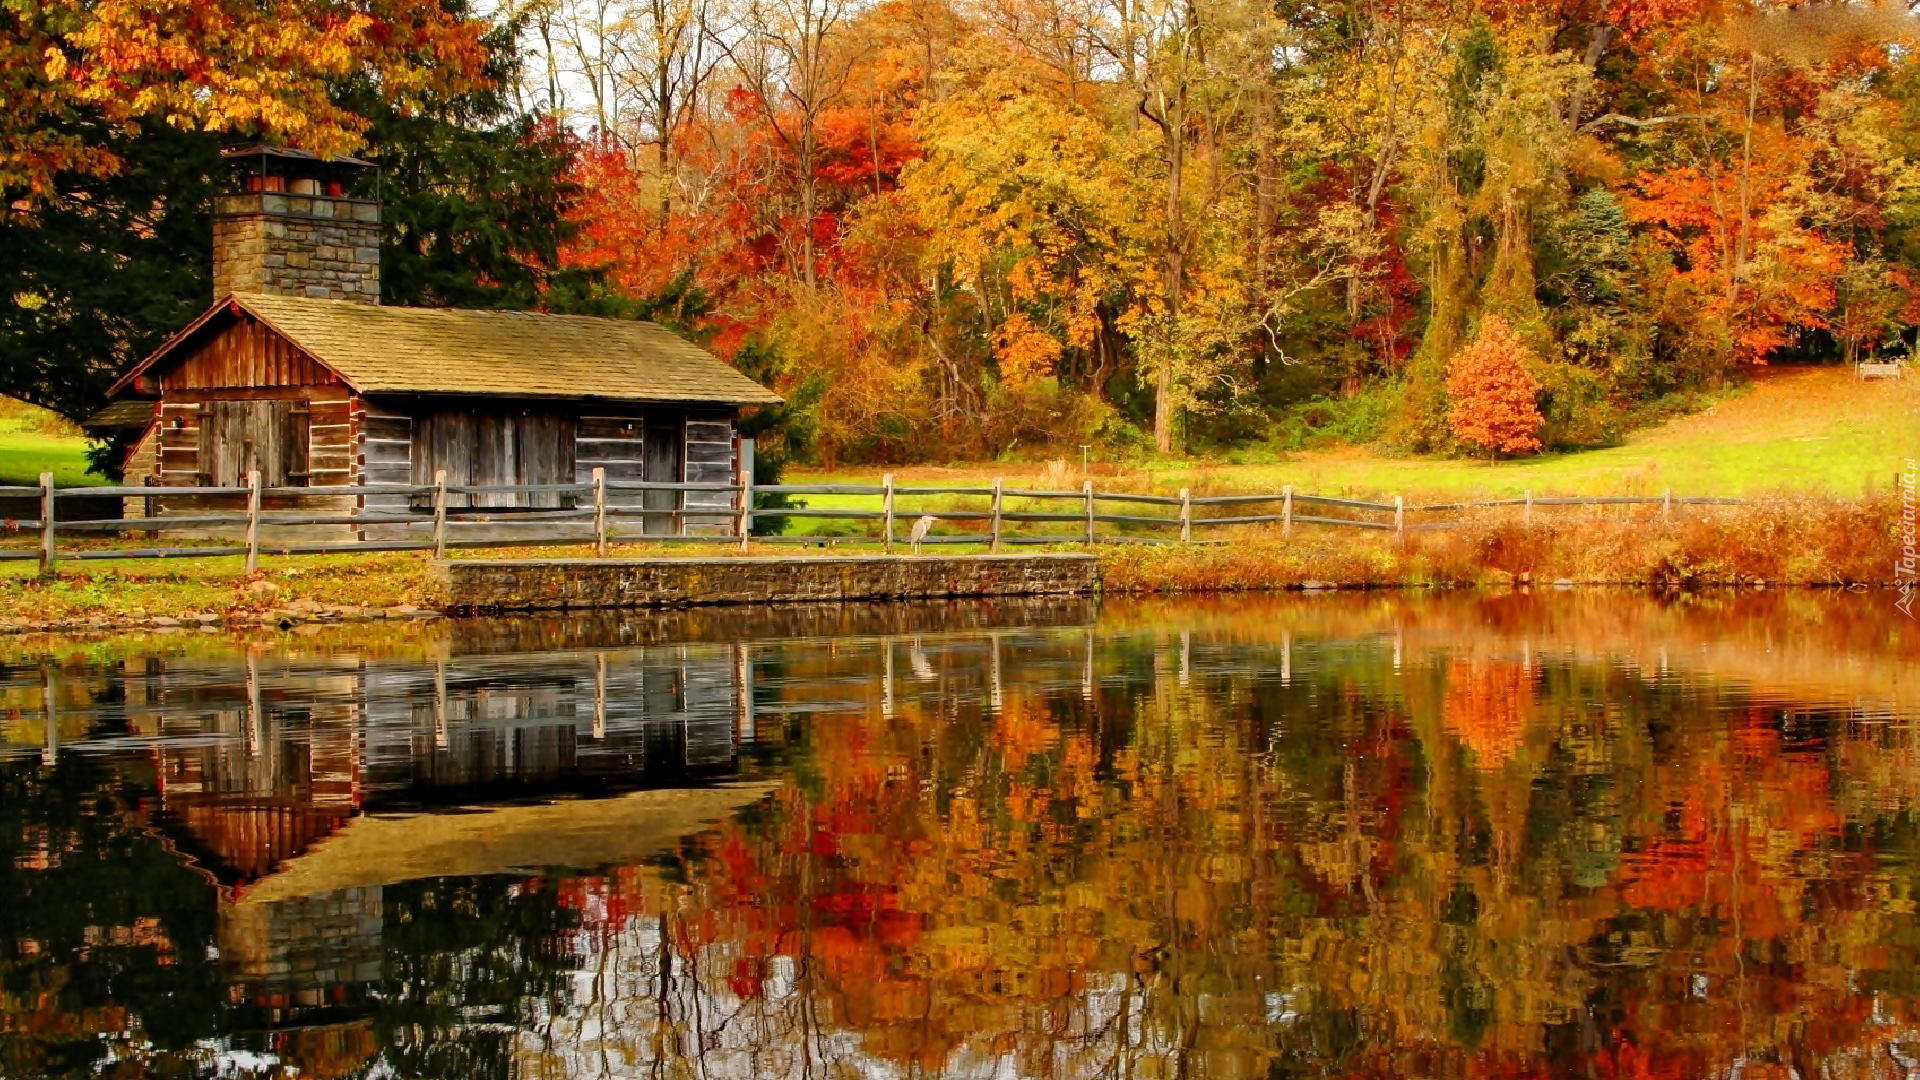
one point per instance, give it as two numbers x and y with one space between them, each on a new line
1492 392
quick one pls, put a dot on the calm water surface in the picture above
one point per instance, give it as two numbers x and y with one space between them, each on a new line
1340 835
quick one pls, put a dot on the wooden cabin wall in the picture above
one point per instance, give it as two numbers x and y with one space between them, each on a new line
383 442
246 383
486 445
713 457
633 447
247 354
663 446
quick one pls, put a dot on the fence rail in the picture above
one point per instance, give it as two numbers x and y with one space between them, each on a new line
585 514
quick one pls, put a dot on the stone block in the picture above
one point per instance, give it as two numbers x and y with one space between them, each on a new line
545 584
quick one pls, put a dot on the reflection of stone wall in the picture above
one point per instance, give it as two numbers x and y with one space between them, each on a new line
581 583
301 947
595 629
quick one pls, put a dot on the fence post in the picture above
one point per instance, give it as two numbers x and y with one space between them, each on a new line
440 513
1186 516
1087 489
1666 505
1527 515
253 521
886 509
993 524
1286 511
1400 519
599 511
46 524
746 491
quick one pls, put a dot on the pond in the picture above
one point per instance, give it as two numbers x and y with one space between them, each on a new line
1357 834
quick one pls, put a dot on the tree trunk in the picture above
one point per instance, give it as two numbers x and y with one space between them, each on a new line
1741 247
663 160
1174 125
808 195
1601 34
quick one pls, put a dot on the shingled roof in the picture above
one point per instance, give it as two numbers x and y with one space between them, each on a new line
399 350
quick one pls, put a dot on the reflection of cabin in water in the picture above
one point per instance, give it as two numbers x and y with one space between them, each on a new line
297 372
303 786
268 764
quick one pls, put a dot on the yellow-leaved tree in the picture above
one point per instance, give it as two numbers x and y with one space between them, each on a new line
256 67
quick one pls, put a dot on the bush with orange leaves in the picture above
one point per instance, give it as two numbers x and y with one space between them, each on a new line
1491 393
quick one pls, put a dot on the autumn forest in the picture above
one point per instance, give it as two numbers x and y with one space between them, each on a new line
960 228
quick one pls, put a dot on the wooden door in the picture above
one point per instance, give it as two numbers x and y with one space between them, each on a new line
662 453
237 437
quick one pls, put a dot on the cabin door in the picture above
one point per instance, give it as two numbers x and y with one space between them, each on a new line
662 466
237 437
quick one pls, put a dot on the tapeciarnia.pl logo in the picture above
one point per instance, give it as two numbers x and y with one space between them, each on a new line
1906 571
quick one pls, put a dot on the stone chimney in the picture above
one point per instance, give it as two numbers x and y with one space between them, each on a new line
296 229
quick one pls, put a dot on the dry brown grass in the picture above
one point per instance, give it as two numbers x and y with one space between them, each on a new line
1796 541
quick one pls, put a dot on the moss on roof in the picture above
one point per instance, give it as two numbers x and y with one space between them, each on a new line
521 354
512 353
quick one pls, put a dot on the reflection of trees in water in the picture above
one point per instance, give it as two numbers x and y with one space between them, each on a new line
470 963
1498 867
1195 859
102 923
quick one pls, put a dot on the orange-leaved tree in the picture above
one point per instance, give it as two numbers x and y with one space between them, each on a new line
1491 392
253 67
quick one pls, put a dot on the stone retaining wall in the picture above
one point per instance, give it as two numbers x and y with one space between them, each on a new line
547 584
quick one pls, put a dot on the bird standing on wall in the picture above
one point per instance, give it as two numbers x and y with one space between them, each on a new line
919 532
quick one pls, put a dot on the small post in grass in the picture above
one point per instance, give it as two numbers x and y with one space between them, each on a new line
46 524
600 511
253 521
1286 512
1186 515
886 510
1087 490
1527 515
1400 519
993 523
1666 505
440 513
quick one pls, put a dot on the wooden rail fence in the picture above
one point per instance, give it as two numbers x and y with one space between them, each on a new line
593 512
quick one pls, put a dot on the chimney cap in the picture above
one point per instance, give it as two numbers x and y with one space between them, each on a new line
261 150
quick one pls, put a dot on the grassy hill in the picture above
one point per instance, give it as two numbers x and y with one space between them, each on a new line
33 441
1816 429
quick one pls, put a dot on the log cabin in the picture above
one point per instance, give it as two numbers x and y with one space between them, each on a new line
298 372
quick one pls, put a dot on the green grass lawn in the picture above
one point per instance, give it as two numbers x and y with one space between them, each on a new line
1809 429
33 441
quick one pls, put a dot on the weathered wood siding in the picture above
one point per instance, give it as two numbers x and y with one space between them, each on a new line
636 447
712 456
486 445
241 398
383 453
247 354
